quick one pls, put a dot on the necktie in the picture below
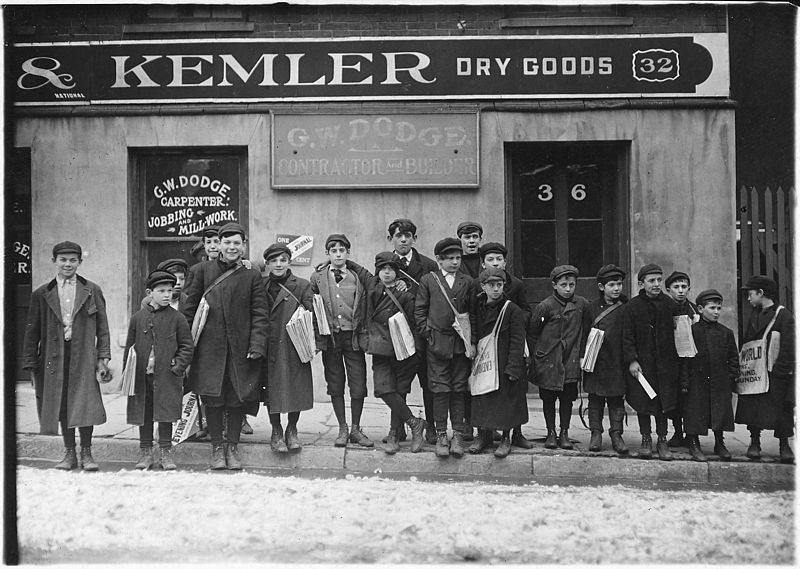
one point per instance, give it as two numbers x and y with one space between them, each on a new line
404 262
337 274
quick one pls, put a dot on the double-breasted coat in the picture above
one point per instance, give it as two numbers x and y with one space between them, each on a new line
290 385
238 318
507 407
774 409
166 331
710 381
648 337
43 353
609 376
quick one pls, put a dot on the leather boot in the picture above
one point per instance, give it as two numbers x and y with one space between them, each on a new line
344 436
276 442
596 441
232 457
662 447
166 458
430 434
145 460
678 439
218 458
70 460
785 451
754 450
418 427
442 445
563 440
618 444
291 438
719 447
550 441
504 448
519 440
468 434
246 428
480 443
646 450
392 445
457 444
358 437
694 448
89 465
616 416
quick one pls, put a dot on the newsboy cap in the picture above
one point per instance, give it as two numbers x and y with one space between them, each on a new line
762 282
649 269
469 227
211 231
609 273
386 258
232 229
447 244
340 237
173 266
563 270
197 249
158 277
707 295
276 249
677 276
492 274
67 247
492 247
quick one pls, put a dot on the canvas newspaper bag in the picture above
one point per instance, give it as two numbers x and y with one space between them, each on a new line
755 363
485 376
461 323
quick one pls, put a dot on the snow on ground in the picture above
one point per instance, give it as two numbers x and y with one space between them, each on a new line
131 516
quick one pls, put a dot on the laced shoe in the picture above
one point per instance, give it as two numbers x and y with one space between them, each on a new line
145 460
70 460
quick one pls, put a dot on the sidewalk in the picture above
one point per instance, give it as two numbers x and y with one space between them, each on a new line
116 441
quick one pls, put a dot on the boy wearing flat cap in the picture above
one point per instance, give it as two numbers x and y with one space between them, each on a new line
648 348
554 334
470 233
711 378
179 268
289 381
226 368
164 348
606 383
774 409
441 295
66 347
392 377
342 285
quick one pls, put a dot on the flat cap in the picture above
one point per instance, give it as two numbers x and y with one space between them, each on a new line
492 247
648 270
277 249
197 249
211 231
67 247
386 258
173 266
706 295
158 277
761 282
447 244
563 270
609 273
340 237
492 274
469 227
677 276
232 229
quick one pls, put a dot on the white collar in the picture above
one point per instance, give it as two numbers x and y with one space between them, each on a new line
406 257
62 280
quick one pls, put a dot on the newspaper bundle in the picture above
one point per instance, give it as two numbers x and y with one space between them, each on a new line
301 332
684 341
593 344
129 373
402 337
322 319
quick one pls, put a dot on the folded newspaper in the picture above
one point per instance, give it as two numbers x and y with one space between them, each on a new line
129 374
301 332
684 341
593 345
322 319
402 337
646 385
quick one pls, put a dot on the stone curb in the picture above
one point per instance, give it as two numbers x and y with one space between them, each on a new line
519 466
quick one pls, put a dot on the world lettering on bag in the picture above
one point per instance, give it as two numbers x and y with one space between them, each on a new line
485 376
753 364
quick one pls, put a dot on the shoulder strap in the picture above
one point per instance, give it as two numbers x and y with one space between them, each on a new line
412 279
500 318
222 277
394 299
606 312
290 293
444 292
772 323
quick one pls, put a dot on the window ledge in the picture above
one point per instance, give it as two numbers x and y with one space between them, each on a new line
577 21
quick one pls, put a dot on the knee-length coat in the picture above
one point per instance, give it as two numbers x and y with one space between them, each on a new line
236 325
166 331
711 377
290 385
43 353
609 376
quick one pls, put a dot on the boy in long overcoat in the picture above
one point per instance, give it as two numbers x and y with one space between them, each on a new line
606 384
290 385
507 407
226 368
554 335
163 343
648 347
712 375
66 343
775 408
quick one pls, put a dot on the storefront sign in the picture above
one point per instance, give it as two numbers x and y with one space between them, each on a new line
184 194
375 151
251 70
301 246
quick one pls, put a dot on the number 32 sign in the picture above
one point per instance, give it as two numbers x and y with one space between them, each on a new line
578 192
656 65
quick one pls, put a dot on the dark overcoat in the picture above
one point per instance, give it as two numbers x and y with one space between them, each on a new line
321 286
470 265
166 330
506 407
514 290
648 337
609 376
773 409
418 266
236 325
711 378
290 385
43 353
554 335
379 309
434 318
